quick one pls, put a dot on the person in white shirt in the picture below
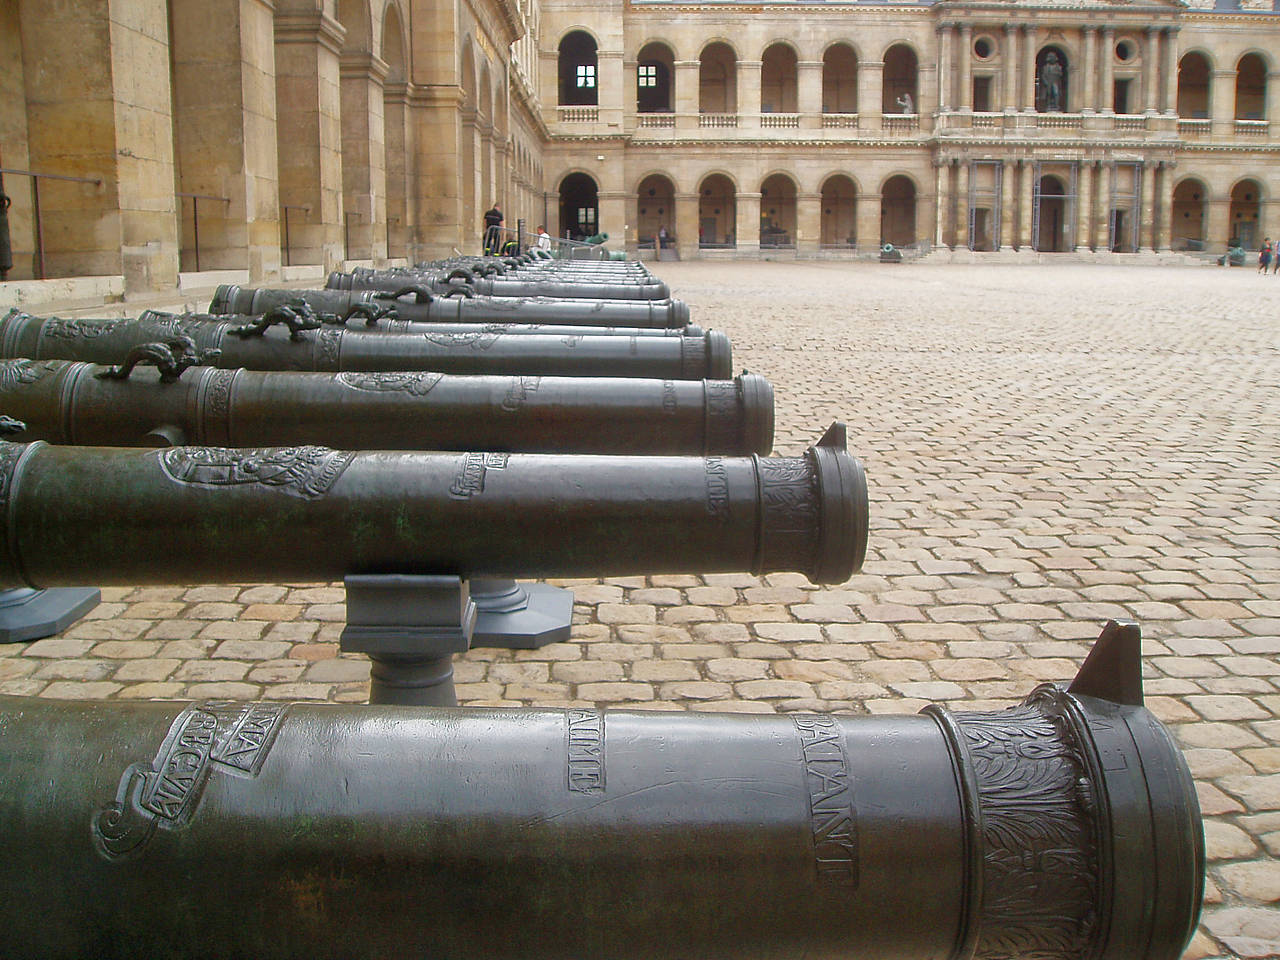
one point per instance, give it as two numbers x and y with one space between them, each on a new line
544 238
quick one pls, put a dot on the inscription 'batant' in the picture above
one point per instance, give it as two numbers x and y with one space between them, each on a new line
831 814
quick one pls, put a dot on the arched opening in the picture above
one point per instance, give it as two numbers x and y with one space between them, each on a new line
398 155
718 80
839 222
898 212
778 80
579 207
1051 81
840 79
1245 214
899 89
1051 215
778 212
578 70
1193 87
1190 198
656 203
1251 88
655 79
717 213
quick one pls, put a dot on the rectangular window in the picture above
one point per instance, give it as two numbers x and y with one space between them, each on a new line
1120 97
586 75
587 216
648 75
981 94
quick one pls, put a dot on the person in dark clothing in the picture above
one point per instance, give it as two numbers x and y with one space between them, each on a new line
492 229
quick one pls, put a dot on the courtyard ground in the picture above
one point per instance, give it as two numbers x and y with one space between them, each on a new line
1047 447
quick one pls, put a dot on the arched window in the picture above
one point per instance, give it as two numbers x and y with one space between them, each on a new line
900 93
840 80
655 76
1193 87
778 80
1251 88
718 80
578 80
579 207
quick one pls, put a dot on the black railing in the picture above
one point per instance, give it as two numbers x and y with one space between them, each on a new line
38 270
195 199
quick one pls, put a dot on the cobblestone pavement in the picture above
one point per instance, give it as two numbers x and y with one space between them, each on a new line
1047 447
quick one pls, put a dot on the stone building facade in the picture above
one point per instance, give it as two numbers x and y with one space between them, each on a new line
269 138
826 128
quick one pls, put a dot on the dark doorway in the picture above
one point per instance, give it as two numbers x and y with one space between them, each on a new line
1050 215
579 207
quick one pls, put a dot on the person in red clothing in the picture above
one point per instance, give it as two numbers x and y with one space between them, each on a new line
1264 256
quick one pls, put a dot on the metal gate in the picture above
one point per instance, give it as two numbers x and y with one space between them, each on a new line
978 195
1123 237
1068 204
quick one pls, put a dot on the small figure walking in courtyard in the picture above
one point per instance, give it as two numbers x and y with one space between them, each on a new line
1264 256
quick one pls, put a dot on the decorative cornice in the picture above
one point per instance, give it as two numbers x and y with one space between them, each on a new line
314 27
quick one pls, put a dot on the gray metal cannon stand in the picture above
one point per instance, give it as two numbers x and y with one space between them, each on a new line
411 626
27 614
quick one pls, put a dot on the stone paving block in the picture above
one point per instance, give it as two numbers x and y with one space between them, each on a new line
297 691
1226 708
688 614
83 670
772 689
13 669
341 670
146 671
661 671
211 671
150 691
223 691
175 630
695 690
276 671
79 690
59 647
616 692
588 671
107 629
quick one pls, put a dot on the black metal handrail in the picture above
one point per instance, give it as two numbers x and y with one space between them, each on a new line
35 206
286 207
195 217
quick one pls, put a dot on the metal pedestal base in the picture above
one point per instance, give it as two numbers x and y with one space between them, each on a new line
410 626
27 614
519 616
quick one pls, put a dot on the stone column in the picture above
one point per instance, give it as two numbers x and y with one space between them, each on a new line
612 87
686 94
400 156
1090 69
808 223
436 192
103 112
966 67
1273 101
309 133
1084 207
1217 228
1222 98
1107 57
613 218
1146 228
945 37
225 134
1164 206
1010 92
809 94
749 93
747 226
1105 200
364 152
867 215
942 200
1170 104
870 93
1025 218
1008 190
963 171
1150 75
1029 68
687 225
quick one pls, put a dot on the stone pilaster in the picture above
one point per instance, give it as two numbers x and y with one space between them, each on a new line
1170 104
309 133
1008 191
808 223
1025 201
685 95
1084 207
867 214
1090 76
946 33
687 225
809 93
364 168
1150 76
1107 56
966 67
963 173
870 93
749 93
1010 93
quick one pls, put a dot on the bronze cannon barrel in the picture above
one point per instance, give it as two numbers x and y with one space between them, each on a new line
504 286
79 403
1065 829
99 515
373 320
335 348
426 306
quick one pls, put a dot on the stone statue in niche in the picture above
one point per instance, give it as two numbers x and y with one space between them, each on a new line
1051 83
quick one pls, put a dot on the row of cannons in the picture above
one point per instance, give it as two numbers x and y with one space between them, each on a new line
428 460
